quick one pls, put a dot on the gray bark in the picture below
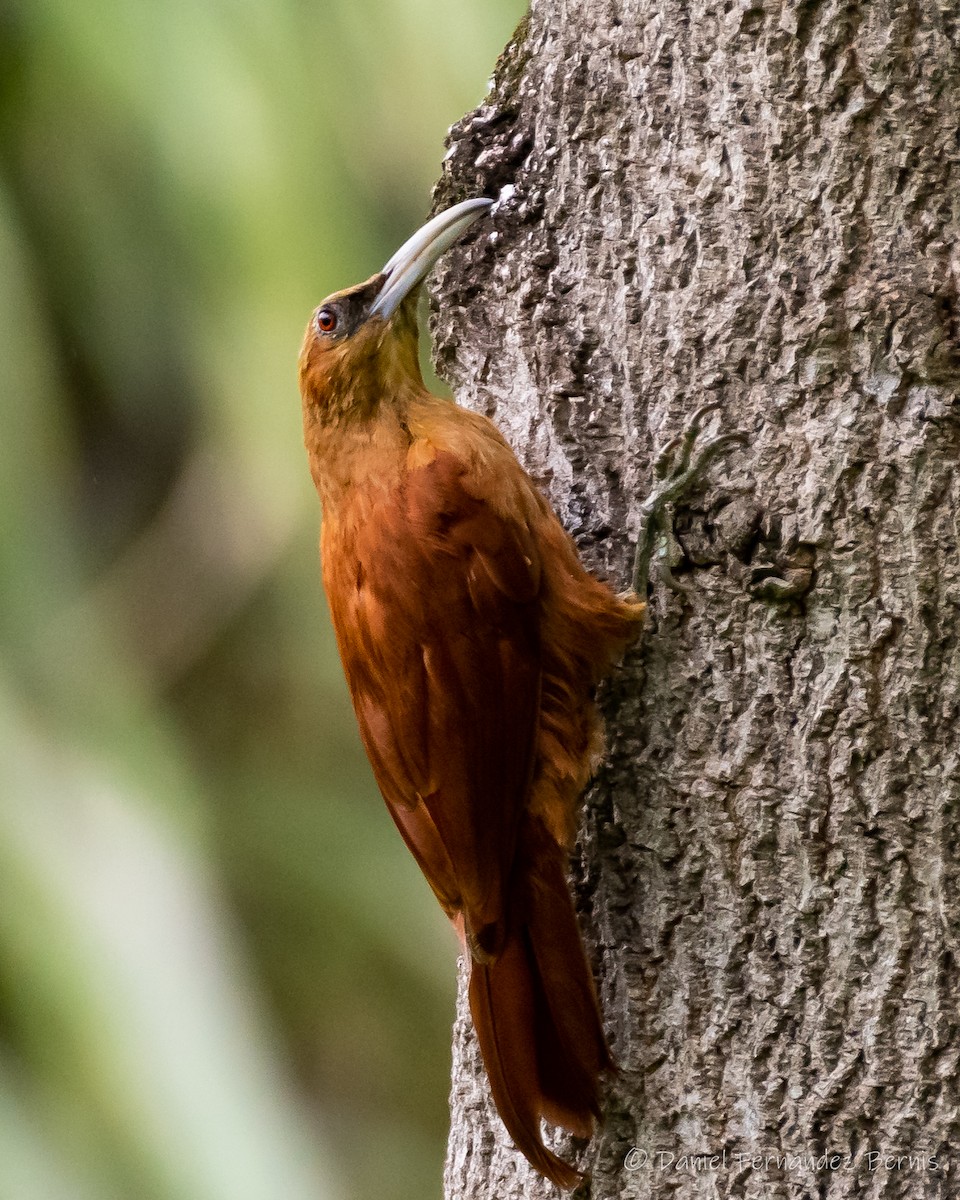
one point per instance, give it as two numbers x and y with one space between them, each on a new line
758 204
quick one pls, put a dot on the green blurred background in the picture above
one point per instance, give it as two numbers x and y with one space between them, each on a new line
221 975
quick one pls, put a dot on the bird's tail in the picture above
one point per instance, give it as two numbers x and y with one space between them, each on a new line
537 1019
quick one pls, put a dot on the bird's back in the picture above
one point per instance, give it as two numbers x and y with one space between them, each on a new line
584 626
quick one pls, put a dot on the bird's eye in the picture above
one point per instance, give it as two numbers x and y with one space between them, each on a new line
326 320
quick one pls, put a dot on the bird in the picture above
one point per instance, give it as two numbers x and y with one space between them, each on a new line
472 639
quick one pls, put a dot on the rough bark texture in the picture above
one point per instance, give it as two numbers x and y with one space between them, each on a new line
755 203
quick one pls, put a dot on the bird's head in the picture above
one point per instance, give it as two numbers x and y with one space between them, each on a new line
362 343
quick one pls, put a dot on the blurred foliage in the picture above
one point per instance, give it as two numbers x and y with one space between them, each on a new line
221 976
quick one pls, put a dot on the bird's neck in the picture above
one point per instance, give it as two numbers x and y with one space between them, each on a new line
366 452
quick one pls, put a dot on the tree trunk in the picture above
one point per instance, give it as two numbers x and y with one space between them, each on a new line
754 204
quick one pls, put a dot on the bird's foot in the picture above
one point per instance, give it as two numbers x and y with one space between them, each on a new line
678 468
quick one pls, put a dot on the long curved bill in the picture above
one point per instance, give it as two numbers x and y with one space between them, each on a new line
417 255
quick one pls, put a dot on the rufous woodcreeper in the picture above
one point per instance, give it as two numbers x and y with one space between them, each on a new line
472 639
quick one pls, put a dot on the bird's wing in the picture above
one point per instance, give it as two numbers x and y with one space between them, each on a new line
435 608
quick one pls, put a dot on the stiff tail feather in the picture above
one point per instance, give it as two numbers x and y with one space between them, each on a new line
538 1022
